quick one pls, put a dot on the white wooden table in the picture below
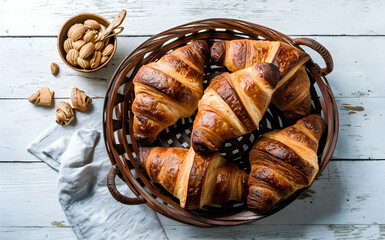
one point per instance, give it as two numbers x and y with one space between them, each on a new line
347 201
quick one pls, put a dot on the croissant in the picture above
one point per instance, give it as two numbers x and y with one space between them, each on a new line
168 90
194 179
293 96
283 161
232 105
293 91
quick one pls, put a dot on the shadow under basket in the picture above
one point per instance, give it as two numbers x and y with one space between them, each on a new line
122 148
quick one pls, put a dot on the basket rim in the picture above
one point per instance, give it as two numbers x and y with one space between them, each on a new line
328 106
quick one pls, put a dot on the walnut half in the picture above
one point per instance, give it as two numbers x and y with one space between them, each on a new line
42 97
80 101
64 114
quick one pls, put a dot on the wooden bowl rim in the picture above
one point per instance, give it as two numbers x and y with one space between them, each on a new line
60 42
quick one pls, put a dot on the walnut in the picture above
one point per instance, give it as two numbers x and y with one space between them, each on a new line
42 97
54 68
80 101
64 114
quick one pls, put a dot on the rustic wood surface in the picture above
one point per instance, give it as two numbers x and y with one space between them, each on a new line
338 17
346 202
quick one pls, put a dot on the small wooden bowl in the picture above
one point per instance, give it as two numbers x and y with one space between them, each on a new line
80 18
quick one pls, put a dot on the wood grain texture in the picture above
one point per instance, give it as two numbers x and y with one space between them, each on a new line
342 203
22 122
28 196
359 138
358 70
149 17
25 64
305 231
346 201
346 193
28 233
361 128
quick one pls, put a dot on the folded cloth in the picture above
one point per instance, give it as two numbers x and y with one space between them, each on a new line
77 151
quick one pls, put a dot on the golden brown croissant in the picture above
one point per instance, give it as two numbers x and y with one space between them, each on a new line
194 179
240 54
293 96
168 89
283 161
233 105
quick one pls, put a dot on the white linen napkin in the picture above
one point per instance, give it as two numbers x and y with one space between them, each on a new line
77 151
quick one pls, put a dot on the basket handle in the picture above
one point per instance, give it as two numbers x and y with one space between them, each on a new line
319 48
116 194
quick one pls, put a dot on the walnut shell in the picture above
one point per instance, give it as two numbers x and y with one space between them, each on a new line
90 23
99 45
108 50
54 68
77 32
87 50
64 114
43 96
72 57
71 30
95 61
67 45
84 63
78 44
80 101
90 35
104 59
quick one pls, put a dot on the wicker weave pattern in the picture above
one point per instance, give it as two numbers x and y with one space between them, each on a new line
122 148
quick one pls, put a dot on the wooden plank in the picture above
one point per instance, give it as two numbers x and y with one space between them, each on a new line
42 17
23 74
359 138
22 122
361 130
27 233
28 196
348 192
255 231
358 71
345 203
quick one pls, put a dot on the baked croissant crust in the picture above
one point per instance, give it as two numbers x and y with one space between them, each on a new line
293 96
168 89
232 105
240 54
194 179
283 161
80 101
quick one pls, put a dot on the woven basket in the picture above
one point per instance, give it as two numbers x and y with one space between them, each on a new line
122 148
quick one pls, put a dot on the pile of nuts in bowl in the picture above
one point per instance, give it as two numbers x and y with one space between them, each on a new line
86 45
